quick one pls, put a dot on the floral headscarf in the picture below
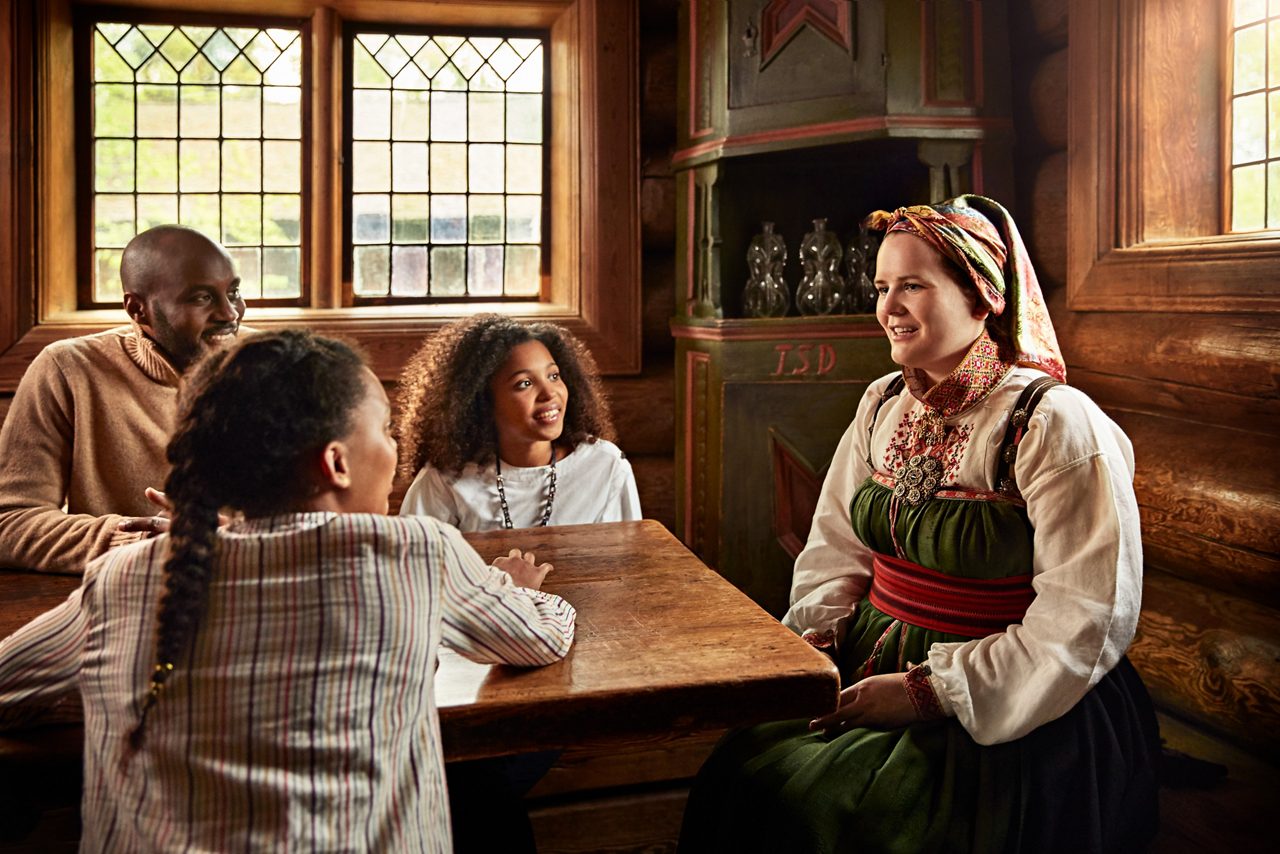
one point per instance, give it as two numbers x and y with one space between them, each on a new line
980 237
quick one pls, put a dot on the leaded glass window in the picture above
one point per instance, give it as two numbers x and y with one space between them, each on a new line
446 165
203 126
1255 115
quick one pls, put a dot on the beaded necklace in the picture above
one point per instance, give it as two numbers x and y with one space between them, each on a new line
551 493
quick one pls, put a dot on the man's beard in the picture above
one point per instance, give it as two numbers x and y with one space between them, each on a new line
182 351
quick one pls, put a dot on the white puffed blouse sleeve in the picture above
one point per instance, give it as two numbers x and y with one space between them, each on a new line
1075 469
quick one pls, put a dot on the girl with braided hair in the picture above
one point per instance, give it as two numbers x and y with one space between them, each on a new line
505 425
974 568
269 684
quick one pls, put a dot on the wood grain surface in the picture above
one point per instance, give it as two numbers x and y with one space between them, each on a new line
1211 659
664 645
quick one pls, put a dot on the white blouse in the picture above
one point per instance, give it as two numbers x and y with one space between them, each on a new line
594 483
1075 470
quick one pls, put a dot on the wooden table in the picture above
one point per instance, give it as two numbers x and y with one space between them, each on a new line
663 645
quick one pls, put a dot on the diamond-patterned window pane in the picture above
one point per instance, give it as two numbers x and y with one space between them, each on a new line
156 34
199 35
134 48
220 50
467 59
392 57
447 167
430 58
113 32
178 49
450 43
108 66
287 69
485 46
200 126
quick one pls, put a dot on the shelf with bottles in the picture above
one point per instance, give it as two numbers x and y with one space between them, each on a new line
724 205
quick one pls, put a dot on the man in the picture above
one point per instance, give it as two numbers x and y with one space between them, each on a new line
89 424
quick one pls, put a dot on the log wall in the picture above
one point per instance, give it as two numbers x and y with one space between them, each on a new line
1198 396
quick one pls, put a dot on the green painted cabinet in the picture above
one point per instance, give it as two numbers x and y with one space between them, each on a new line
793 110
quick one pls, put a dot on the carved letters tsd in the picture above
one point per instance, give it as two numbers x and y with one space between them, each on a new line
797 359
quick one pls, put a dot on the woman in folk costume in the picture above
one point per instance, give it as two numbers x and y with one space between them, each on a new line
975 570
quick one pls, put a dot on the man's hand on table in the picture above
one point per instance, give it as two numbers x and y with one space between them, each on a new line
158 524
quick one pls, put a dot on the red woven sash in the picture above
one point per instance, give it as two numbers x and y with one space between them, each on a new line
974 607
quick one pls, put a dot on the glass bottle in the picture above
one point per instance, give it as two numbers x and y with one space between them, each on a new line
860 264
822 289
766 294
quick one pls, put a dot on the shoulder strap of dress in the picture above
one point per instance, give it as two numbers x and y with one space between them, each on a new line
893 389
1006 481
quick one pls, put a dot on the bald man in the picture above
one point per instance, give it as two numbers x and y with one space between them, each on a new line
87 430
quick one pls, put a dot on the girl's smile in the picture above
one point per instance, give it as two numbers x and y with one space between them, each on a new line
529 399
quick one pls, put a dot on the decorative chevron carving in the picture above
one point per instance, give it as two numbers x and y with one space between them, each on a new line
780 20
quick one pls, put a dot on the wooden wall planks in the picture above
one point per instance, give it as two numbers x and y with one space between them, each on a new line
1199 396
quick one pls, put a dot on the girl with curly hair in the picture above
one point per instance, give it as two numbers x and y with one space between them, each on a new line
505 425
268 684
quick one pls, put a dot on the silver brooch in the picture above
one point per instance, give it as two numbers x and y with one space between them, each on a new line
918 480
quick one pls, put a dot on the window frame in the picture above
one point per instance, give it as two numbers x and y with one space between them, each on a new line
1230 99
1128 167
595 283
85 21
348 55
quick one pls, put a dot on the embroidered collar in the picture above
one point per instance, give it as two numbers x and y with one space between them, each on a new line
977 375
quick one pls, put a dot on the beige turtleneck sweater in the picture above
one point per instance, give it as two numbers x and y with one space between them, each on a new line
87 429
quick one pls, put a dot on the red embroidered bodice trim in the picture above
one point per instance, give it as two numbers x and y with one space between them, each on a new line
969 383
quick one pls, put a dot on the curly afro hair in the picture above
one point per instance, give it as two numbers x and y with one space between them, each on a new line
446 414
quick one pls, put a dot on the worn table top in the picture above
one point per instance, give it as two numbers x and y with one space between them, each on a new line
663 644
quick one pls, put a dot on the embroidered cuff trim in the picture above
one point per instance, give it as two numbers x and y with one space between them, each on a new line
922 695
824 641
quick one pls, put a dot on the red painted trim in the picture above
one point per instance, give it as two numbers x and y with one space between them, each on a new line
871 123
927 81
694 70
798 329
689 238
978 87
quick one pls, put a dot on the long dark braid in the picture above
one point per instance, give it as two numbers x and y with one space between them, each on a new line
248 417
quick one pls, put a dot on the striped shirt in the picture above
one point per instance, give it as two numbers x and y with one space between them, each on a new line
304 715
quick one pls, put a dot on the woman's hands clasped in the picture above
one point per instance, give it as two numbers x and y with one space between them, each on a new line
522 568
879 701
